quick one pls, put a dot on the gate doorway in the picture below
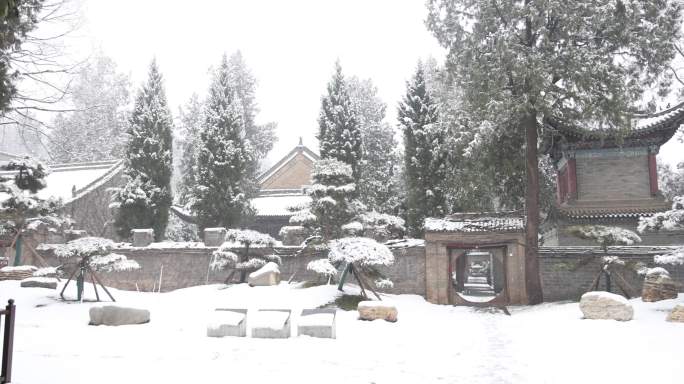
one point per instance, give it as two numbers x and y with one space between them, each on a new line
477 275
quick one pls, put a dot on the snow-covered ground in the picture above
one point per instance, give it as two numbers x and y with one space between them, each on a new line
549 343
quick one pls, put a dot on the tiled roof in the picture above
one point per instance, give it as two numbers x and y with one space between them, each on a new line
647 129
615 212
477 222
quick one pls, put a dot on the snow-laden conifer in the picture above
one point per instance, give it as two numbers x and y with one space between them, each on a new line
424 156
339 136
145 199
220 197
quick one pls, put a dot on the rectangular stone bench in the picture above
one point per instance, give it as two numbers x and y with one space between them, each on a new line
320 322
271 323
228 322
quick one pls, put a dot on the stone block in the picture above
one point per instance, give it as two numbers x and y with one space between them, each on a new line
318 322
39 282
271 324
659 286
228 322
677 314
267 275
115 315
606 305
214 237
374 310
142 237
293 234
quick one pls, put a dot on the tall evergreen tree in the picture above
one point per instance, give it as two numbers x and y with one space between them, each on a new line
424 154
191 120
145 199
377 187
520 61
339 136
224 156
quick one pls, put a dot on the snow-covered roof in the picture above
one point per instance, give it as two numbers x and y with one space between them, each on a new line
277 205
476 222
646 129
73 180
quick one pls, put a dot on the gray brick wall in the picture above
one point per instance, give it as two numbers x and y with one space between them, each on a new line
613 178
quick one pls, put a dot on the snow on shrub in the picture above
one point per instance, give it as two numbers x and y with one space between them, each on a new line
384 283
675 257
223 257
97 253
331 168
353 229
671 220
250 238
360 251
322 267
605 235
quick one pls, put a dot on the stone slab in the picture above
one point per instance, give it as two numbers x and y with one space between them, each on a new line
115 315
39 282
272 324
320 322
228 322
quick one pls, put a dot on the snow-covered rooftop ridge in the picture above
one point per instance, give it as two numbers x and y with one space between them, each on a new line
405 243
477 222
300 148
645 121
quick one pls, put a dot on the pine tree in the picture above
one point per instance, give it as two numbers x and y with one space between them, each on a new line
145 199
377 187
191 120
339 136
224 156
424 154
517 62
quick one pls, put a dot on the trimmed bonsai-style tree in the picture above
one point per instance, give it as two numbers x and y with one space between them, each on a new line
607 236
244 262
93 254
359 256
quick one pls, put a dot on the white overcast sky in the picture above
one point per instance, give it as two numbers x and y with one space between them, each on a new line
290 46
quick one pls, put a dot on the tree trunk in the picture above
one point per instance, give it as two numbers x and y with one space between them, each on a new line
532 279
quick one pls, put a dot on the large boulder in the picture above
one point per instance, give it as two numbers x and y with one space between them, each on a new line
677 314
606 305
659 286
267 275
374 310
39 282
115 315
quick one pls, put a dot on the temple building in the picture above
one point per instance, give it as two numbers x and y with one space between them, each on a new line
609 177
283 186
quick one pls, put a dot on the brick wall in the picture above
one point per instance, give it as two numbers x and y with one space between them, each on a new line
186 267
564 277
613 178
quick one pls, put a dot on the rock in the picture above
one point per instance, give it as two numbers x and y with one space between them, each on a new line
373 310
606 305
228 322
39 282
115 315
267 275
677 314
214 237
17 273
143 237
659 286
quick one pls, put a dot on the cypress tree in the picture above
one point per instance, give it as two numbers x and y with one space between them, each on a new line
339 135
223 158
145 199
424 155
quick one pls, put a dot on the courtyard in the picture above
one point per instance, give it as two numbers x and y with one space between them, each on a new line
548 343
